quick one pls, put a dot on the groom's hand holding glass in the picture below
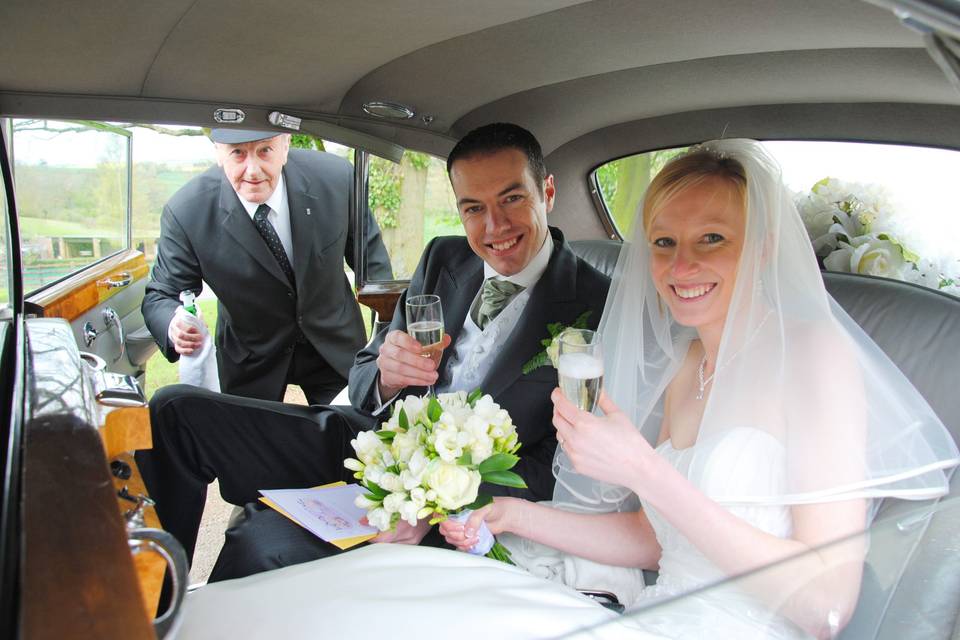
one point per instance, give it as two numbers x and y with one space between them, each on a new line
403 361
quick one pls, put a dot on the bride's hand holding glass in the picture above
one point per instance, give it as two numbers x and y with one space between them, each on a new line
608 448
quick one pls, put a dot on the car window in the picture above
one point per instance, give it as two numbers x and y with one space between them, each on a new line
5 271
875 209
413 203
72 183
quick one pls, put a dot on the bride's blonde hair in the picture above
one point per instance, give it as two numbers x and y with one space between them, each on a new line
688 170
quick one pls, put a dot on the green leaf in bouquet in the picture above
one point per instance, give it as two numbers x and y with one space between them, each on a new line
555 328
378 492
434 410
480 502
498 462
386 436
465 460
504 478
403 420
474 395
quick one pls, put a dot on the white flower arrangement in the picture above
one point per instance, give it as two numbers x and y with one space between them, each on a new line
853 228
429 459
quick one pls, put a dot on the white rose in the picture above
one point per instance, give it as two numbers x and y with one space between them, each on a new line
454 400
553 351
877 257
393 502
839 260
379 518
455 486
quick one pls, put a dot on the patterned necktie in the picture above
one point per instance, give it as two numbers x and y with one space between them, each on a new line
493 298
273 240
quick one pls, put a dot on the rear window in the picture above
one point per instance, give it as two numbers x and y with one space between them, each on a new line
884 210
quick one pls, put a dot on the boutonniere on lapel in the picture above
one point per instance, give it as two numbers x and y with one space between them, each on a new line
552 344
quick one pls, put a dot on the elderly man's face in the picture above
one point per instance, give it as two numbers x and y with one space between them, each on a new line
253 168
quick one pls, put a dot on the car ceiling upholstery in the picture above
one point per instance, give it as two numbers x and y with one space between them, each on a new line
580 75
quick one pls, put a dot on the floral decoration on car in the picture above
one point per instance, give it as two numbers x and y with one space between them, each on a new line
854 229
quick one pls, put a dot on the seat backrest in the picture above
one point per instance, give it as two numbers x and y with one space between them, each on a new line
911 583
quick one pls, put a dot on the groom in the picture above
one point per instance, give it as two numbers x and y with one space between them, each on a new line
500 287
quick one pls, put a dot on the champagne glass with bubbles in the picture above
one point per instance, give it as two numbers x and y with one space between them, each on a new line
425 325
580 367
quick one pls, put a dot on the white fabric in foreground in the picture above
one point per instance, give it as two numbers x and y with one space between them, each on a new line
396 591
199 368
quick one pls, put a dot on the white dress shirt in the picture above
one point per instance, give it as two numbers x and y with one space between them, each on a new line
279 215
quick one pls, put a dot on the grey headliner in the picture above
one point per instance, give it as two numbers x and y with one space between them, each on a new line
597 77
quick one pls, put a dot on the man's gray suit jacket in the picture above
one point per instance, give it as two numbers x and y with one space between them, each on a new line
206 234
567 288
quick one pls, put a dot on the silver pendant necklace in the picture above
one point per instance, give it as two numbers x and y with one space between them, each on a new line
703 382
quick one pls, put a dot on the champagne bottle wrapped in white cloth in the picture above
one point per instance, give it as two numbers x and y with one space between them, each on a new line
200 367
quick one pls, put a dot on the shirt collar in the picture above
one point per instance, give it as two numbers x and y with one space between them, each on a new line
528 276
275 201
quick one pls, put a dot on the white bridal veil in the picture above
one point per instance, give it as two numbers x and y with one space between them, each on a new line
795 376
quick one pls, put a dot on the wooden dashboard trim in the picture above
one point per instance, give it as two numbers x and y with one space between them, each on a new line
77 294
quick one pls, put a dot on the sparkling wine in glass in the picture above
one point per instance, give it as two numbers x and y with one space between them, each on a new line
580 367
425 325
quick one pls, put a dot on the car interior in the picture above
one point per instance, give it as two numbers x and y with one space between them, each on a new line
595 80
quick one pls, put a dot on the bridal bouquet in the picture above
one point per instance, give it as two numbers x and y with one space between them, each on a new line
430 457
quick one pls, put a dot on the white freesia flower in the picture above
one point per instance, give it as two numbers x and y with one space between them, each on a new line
368 447
353 464
417 463
362 502
418 496
412 406
447 443
410 480
408 511
379 518
405 444
455 486
481 444
390 482
373 473
394 501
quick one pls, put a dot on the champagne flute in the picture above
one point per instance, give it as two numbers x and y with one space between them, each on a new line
425 325
580 367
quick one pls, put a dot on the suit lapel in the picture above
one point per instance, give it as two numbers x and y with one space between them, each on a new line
237 223
557 285
302 224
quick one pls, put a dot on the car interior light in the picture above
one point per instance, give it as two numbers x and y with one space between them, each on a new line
392 110
229 116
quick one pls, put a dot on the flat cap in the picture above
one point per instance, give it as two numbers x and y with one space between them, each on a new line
239 136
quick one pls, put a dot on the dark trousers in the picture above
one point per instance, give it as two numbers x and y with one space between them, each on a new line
246 444
319 381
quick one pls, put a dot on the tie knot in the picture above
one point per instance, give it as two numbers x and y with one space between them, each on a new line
494 296
262 212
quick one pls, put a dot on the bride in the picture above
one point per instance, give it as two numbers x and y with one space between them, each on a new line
778 423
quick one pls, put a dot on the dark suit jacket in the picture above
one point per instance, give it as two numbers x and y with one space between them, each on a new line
205 233
567 288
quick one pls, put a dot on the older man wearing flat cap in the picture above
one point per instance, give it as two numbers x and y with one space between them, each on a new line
267 230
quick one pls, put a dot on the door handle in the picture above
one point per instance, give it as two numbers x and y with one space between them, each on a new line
110 319
117 280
